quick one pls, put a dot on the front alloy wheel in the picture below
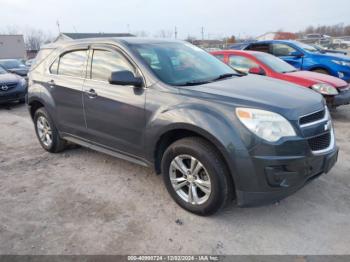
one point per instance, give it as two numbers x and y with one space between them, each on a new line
190 179
196 176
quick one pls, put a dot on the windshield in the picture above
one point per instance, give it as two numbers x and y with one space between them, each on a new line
306 47
276 64
10 64
182 63
2 71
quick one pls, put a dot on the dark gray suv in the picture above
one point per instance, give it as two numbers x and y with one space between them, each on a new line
214 134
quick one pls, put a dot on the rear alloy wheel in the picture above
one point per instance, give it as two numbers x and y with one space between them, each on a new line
44 131
47 133
196 177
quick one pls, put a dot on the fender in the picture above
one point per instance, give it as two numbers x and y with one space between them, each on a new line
40 94
205 121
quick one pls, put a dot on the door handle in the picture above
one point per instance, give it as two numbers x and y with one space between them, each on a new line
91 93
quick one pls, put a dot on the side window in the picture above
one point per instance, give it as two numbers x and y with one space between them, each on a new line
72 63
220 57
54 67
241 63
259 47
105 62
282 50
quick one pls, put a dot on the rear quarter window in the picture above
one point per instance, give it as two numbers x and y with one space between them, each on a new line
41 56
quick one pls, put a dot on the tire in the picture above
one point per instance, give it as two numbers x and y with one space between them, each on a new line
42 118
211 174
321 71
22 101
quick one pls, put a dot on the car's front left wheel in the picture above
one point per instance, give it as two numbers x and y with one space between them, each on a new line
196 177
47 133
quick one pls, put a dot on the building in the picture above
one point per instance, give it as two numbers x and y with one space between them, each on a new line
12 46
75 36
277 36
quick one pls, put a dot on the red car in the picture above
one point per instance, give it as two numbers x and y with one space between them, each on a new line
335 90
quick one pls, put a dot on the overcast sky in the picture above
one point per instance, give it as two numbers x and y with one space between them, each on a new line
218 17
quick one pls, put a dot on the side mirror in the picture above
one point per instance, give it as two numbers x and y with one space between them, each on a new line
125 78
257 71
296 54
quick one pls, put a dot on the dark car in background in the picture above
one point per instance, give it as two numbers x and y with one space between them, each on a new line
15 66
305 57
213 133
12 87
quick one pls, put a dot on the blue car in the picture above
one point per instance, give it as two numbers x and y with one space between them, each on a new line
305 57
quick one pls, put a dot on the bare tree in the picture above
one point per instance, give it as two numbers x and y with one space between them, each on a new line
141 33
34 38
332 30
164 34
190 39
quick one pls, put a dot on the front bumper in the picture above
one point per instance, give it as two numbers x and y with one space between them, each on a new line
282 176
13 95
343 98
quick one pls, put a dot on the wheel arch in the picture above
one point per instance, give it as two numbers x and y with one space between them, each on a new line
34 105
178 132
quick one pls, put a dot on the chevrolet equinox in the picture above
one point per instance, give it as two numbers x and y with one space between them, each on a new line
214 134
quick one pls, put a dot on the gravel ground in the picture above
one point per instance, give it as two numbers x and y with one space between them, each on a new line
84 202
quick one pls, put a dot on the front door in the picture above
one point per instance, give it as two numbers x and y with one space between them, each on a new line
115 114
287 53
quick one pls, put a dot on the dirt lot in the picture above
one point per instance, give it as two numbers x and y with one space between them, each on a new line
84 202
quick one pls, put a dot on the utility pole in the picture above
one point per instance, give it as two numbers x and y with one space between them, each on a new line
58 26
175 32
202 32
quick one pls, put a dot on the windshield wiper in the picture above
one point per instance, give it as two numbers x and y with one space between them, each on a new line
223 76
291 71
194 83
202 82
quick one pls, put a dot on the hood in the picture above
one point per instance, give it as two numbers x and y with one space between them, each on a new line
19 71
262 92
334 52
334 56
312 78
9 78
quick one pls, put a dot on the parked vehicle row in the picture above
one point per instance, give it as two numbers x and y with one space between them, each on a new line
335 90
12 87
305 57
13 80
14 66
213 133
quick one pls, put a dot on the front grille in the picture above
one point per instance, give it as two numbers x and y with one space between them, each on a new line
320 142
8 85
312 117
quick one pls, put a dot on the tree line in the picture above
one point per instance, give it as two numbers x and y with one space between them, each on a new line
331 30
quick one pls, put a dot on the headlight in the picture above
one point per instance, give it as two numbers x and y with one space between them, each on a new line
265 124
325 89
23 82
342 63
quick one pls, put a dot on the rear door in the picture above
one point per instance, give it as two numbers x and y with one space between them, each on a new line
287 53
261 47
115 114
65 85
